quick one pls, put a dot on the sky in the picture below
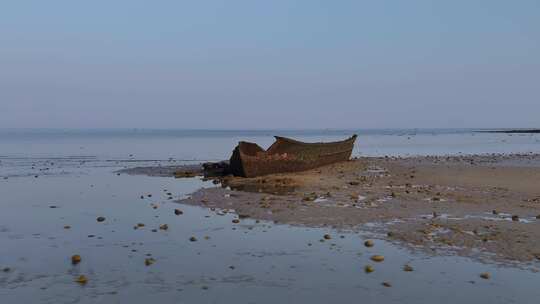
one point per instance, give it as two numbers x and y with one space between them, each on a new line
252 64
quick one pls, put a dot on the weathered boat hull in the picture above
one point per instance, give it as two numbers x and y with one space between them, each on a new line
287 155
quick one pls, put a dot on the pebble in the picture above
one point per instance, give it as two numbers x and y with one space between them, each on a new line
193 239
515 218
178 212
164 227
369 243
6 269
100 219
81 279
485 275
149 261
327 237
386 284
407 268
236 221
75 259
67 227
369 269
377 258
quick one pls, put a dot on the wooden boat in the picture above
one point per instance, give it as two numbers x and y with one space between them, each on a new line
287 155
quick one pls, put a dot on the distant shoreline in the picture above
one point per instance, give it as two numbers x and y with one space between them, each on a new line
511 131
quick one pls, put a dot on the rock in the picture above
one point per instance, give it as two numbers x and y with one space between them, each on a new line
67 227
53 207
386 284
390 234
149 261
6 269
178 212
81 280
538 217
369 269
164 227
407 268
75 259
495 212
369 243
140 225
377 258
236 221
327 237
485 275
193 239
100 219
515 218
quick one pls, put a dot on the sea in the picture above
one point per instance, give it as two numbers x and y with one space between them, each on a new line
55 183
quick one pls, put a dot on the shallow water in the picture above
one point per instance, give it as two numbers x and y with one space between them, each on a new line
270 262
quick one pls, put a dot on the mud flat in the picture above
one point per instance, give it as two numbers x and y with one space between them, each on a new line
482 206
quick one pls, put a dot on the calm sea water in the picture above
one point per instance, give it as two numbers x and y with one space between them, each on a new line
250 262
204 145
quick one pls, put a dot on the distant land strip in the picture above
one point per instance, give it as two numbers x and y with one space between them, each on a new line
511 131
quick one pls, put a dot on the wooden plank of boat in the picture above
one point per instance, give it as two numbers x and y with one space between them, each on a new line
287 155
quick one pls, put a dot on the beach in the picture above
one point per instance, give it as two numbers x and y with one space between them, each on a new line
440 223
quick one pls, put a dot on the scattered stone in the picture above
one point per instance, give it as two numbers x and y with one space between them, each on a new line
327 237
407 268
6 269
515 218
485 275
369 269
538 217
386 284
100 219
164 227
495 212
149 261
140 225
178 212
81 280
377 258
390 234
193 239
67 227
236 221
53 207
75 259
369 243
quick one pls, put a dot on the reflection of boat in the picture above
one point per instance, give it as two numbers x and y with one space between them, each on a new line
287 155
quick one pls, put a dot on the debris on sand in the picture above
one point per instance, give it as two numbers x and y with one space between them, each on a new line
75 259
377 258
81 280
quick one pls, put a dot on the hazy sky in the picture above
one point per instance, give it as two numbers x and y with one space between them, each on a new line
269 64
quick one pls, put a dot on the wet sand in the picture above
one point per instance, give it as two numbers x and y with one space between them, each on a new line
485 206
